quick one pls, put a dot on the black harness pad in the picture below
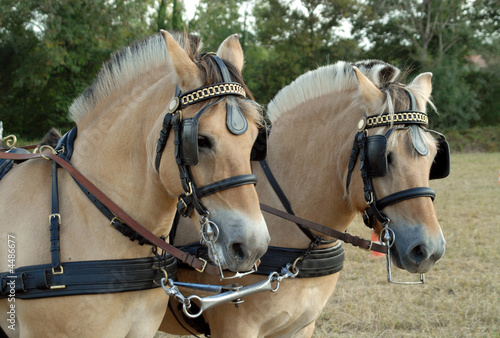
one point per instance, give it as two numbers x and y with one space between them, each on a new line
6 165
259 149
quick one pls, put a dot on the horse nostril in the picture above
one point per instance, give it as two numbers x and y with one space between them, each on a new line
418 254
237 251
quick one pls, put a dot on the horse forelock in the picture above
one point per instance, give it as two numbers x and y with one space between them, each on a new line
398 100
126 65
252 110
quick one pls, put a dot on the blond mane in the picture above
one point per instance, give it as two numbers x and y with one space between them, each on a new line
315 83
123 67
329 79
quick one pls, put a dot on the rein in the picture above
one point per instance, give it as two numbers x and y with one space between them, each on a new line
343 236
119 214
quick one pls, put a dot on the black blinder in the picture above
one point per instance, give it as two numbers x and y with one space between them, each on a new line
189 144
259 149
376 159
441 166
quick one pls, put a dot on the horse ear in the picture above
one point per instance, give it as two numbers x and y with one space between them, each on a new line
424 84
372 96
230 50
379 72
187 71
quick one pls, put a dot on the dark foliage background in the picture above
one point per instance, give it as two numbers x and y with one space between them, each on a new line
51 50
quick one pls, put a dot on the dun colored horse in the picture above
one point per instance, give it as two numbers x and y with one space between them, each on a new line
314 123
123 121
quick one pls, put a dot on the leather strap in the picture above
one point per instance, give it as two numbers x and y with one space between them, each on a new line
119 213
406 195
347 238
284 200
55 221
231 182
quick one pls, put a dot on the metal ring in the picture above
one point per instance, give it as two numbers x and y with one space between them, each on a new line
186 307
391 239
294 270
48 147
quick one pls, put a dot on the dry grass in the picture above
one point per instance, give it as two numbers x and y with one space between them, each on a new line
461 296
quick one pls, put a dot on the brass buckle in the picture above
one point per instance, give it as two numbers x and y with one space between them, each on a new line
370 246
114 220
190 192
184 203
60 272
370 201
204 266
55 215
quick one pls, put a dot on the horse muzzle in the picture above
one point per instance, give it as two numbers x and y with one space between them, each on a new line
415 251
239 244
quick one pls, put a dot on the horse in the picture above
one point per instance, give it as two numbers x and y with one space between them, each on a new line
154 88
314 122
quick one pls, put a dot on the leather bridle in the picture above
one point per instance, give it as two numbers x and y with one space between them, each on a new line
186 138
363 148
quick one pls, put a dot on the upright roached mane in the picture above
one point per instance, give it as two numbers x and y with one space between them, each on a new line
144 56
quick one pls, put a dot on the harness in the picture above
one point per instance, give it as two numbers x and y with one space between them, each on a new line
72 278
372 154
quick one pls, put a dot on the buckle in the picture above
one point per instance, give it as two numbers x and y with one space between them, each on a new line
204 266
55 215
60 272
114 220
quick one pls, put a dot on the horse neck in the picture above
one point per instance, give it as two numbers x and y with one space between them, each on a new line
309 153
115 146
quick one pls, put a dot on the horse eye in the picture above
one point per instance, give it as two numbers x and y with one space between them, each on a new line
204 142
389 159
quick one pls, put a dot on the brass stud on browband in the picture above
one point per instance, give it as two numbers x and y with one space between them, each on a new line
173 105
362 124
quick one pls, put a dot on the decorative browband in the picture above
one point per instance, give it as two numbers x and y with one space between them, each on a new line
401 117
220 89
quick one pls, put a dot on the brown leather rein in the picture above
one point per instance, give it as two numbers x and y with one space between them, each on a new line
198 264
343 236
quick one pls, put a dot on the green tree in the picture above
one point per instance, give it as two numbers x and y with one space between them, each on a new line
51 50
294 37
436 36
215 20
169 17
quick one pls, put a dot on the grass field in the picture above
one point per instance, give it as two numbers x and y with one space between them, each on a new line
461 296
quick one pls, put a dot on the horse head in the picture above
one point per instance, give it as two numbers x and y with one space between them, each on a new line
218 134
398 157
